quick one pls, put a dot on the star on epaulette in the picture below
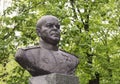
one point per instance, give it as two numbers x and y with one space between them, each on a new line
31 47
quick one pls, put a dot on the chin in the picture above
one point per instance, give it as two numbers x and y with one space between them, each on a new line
55 41
52 40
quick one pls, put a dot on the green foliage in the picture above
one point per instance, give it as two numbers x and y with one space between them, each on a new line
90 29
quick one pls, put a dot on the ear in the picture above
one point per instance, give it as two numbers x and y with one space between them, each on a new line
38 32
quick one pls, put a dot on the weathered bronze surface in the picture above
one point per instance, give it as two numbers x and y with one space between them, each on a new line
46 58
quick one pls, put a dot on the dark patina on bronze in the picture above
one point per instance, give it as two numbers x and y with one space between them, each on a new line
46 58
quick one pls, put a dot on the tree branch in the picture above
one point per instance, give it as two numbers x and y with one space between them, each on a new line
73 8
80 15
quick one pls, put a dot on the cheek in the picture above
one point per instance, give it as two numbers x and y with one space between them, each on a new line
45 32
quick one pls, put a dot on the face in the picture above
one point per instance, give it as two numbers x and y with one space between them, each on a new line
50 31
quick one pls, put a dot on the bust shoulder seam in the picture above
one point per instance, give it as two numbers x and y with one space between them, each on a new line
30 47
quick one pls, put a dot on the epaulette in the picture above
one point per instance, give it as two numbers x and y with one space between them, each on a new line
31 47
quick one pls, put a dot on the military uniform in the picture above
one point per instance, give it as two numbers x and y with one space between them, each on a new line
40 61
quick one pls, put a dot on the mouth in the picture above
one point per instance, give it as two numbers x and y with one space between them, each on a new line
55 34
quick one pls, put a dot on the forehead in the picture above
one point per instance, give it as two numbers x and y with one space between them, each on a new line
47 20
51 20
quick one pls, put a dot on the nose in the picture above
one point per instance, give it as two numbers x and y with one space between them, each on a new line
54 27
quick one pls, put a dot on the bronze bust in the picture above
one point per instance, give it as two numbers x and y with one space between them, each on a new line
46 58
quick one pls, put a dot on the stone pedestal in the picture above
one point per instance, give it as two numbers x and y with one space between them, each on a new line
54 79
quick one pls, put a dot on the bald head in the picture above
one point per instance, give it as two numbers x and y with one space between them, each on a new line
44 19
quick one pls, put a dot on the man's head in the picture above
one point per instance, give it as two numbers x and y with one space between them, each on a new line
48 28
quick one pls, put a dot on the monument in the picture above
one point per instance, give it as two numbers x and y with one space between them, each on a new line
46 58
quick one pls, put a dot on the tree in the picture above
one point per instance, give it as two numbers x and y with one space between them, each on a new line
90 30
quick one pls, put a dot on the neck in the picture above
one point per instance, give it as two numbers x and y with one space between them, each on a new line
48 46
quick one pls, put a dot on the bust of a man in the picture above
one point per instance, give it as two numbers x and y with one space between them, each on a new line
46 58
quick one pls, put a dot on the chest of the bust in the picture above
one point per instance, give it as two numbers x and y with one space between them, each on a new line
54 61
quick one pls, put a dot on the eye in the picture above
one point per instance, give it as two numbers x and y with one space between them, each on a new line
49 25
57 26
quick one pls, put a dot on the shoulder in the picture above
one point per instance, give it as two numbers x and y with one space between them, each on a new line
67 53
31 47
22 51
72 56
